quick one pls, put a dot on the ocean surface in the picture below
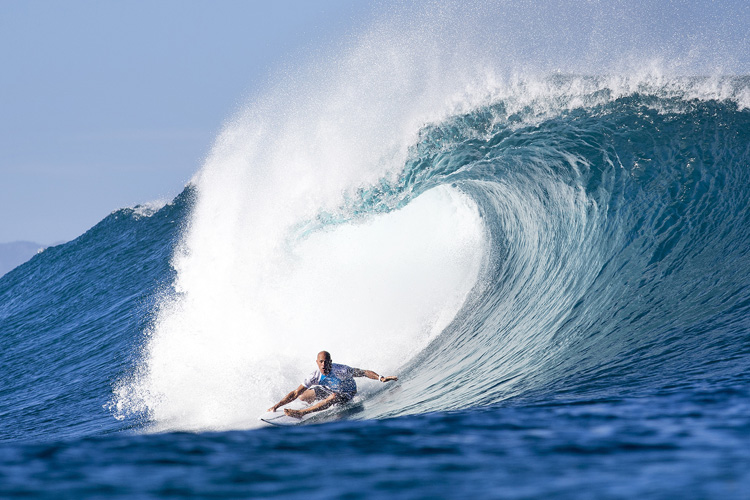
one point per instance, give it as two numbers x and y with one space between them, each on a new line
559 274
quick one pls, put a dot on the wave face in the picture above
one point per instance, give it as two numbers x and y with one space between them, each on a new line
72 319
590 241
619 241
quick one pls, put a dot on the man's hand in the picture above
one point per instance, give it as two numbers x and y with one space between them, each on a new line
288 398
388 379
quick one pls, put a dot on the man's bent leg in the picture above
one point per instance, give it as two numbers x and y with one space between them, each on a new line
308 396
321 405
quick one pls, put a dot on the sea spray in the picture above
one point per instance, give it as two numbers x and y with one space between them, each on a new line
254 300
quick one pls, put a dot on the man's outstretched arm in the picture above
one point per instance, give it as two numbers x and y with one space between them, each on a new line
289 398
371 374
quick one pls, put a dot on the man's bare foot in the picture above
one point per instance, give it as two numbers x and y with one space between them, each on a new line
293 413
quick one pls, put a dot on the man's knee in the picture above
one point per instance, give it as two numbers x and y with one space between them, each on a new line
308 396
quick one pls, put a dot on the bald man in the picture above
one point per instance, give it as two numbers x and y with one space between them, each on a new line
330 384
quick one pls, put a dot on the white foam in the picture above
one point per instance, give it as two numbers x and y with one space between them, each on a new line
373 294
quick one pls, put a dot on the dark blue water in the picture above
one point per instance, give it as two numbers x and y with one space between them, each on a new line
602 353
684 443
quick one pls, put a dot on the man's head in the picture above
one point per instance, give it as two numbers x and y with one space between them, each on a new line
324 362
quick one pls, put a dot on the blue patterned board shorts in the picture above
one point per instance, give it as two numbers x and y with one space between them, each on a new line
322 392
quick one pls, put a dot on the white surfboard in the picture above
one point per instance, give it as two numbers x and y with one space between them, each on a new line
337 412
280 418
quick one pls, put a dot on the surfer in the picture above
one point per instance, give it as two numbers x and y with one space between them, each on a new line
330 384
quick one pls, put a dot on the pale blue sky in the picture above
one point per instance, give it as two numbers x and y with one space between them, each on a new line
109 104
